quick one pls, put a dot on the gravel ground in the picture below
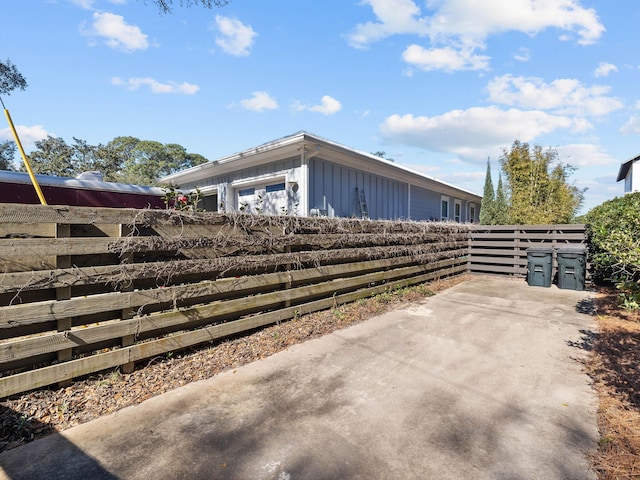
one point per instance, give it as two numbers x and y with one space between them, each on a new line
26 417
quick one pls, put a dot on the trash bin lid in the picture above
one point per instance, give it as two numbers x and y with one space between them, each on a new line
540 250
574 249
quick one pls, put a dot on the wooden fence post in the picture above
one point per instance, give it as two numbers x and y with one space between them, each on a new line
63 230
127 313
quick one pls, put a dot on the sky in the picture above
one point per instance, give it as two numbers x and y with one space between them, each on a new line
440 86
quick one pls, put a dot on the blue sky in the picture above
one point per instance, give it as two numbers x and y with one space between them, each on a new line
439 85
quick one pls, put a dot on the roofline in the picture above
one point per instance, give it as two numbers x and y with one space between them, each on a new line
302 137
7 176
624 168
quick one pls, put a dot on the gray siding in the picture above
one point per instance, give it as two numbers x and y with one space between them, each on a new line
332 187
425 204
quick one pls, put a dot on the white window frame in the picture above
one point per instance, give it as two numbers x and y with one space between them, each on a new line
444 199
457 210
472 213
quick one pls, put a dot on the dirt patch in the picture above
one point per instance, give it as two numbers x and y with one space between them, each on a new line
614 366
26 417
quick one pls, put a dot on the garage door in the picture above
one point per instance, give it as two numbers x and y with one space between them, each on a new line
269 199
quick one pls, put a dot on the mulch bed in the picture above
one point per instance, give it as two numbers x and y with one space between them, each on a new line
614 366
32 415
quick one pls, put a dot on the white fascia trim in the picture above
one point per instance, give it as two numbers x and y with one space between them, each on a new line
249 182
208 190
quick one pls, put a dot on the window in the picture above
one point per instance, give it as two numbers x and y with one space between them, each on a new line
444 208
276 187
457 210
246 191
472 212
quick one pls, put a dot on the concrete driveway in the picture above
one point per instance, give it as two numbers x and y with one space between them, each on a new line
477 382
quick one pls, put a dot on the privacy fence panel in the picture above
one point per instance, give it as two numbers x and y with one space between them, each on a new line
88 289
502 249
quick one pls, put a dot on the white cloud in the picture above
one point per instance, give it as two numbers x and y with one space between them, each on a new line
135 83
565 95
260 101
447 58
297 106
604 69
117 33
428 169
395 17
477 20
471 133
28 135
522 55
328 106
464 177
584 155
89 4
632 126
235 37
464 25
86 4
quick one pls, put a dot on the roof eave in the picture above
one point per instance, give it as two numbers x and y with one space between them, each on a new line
296 140
624 168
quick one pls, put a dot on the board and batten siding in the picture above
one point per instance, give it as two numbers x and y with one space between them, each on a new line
425 204
332 188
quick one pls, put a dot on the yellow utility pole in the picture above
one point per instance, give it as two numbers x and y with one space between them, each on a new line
24 155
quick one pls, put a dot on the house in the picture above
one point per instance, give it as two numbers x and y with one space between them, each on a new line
631 183
304 174
88 189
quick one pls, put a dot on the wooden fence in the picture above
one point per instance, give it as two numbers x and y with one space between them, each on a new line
502 249
88 289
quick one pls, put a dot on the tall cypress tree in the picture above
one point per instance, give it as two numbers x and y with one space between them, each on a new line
500 206
487 207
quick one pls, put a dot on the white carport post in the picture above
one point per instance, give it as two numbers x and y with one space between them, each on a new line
305 156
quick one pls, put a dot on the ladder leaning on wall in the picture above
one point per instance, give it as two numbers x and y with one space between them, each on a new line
361 202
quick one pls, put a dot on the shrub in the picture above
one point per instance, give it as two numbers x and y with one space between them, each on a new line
613 231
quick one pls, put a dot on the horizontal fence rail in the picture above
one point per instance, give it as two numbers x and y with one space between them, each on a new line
88 289
502 249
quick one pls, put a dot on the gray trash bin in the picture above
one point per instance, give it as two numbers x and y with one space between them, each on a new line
539 266
571 268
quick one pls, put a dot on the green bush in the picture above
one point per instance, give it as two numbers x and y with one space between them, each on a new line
613 231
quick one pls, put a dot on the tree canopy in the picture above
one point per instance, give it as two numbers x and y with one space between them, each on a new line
382 154
7 154
10 78
613 229
166 5
123 159
536 189
488 199
500 206
538 186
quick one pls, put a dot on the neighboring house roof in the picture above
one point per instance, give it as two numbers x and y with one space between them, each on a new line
291 145
624 168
